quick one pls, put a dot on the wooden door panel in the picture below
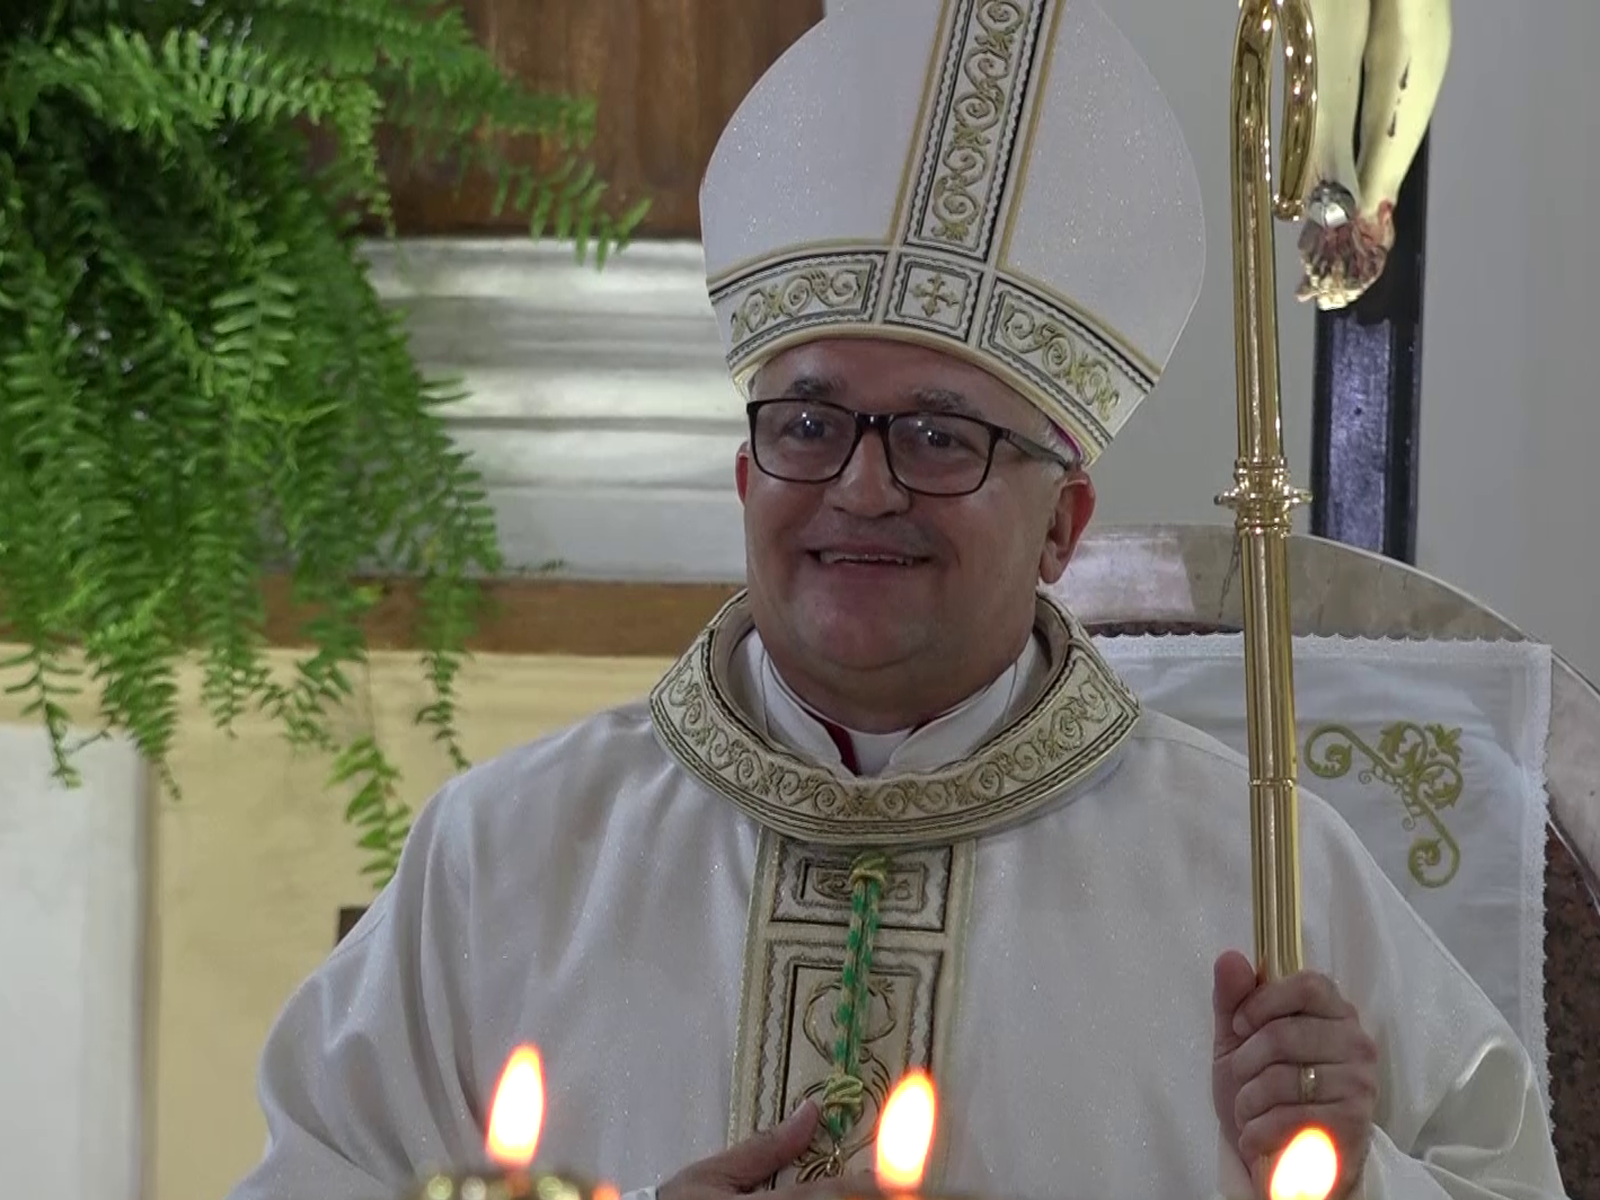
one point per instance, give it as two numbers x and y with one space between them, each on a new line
667 75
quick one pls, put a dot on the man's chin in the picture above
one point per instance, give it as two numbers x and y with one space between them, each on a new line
858 619
857 641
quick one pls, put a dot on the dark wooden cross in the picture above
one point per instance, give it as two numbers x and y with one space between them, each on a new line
1367 396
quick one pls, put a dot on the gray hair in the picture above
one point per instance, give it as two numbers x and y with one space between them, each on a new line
1048 436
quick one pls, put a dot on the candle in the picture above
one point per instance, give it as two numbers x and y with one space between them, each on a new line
905 1132
1307 1169
516 1119
517 1112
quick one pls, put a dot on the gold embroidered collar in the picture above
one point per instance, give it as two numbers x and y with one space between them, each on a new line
1074 725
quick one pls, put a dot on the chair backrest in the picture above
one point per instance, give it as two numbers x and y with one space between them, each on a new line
1184 579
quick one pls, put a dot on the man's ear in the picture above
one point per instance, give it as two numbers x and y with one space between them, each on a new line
1074 507
741 470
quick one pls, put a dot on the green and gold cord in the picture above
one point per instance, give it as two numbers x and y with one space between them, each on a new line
845 1094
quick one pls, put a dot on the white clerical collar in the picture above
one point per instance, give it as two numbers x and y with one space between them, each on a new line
950 736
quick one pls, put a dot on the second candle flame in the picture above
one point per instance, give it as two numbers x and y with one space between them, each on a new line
1307 1169
517 1113
905 1132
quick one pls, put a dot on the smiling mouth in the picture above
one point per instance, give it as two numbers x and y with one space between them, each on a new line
833 558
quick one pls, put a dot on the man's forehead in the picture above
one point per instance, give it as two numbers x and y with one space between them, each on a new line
884 371
813 385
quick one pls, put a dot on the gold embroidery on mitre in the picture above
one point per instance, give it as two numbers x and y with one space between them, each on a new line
1068 366
965 161
1422 764
932 291
820 286
1079 719
1045 342
935 293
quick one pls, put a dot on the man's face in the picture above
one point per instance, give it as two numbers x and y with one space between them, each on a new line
963 594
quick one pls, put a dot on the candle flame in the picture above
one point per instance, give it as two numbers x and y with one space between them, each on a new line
518 1110
1307 1169
905 1132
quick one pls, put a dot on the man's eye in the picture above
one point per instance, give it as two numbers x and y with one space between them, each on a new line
932 436
808 427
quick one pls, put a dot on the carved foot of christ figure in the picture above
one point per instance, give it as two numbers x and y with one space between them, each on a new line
1380 64
1343 250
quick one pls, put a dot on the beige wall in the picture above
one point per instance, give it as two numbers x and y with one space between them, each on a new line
252 865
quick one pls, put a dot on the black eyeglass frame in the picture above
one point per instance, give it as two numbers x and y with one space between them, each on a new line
881 422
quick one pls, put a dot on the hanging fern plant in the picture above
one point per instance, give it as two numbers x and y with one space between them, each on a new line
198 385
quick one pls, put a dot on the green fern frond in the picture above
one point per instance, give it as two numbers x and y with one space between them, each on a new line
199 386
185 85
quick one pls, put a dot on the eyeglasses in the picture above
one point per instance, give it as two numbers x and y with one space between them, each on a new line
935 454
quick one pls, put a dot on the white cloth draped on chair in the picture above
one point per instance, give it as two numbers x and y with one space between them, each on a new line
1433 751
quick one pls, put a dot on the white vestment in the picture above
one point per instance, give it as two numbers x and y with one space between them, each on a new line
654 898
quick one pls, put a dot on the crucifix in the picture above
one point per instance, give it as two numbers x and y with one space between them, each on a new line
1381 65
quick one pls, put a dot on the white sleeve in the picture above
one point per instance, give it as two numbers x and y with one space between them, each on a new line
358 1080
1485 1137
1460 1112
1502 1154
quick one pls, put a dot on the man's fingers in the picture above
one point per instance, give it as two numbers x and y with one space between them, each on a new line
1305 994
1297 1040
1232 979
760 1157
1279 1087
1270 1133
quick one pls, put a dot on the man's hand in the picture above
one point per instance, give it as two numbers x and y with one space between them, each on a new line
745 1167
1264 1036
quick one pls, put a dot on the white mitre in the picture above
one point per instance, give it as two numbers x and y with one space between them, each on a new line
998 179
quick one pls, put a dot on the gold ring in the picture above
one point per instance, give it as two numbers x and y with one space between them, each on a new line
1308 1084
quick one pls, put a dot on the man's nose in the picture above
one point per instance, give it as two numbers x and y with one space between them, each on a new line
866 486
